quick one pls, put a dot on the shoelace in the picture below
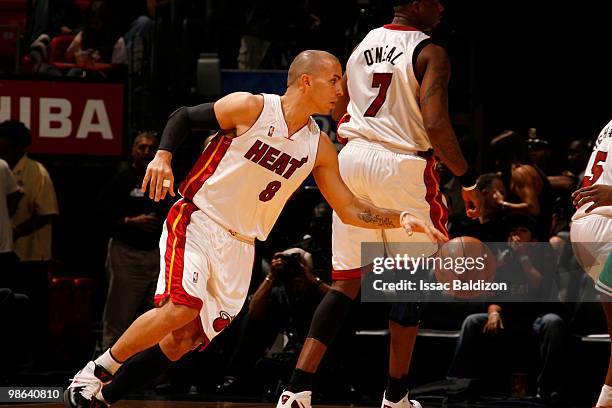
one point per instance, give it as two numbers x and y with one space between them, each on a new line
89 382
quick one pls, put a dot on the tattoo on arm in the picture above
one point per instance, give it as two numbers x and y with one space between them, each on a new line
440 83
375 219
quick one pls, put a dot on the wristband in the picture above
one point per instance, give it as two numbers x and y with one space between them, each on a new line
468 179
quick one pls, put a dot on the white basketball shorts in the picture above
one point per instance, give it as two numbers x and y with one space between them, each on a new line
204 267
403 182
591 238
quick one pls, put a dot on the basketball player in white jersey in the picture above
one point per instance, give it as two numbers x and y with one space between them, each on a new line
232 196
397 117
591 232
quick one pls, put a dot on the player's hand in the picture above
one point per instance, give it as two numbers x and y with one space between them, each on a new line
412 224
159 177
494 325
472 202
598 194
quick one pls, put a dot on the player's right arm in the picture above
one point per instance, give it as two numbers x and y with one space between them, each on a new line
434 67
237 111
355 211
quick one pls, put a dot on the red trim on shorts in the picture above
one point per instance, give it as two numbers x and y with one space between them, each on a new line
400 27
348 274
344 119
176 225
205 166
437 210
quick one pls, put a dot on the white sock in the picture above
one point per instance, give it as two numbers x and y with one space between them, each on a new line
100 397
605 398
107 361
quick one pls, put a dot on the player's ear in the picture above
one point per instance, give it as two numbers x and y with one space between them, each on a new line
306 80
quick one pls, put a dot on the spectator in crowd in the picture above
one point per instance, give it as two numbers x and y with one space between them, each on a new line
570 178
32 222
317 240
527 187
273 31
51 18
33 218
115 33
132 263
487 344
10 194
284 302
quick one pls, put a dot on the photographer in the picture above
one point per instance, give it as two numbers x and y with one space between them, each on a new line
284 302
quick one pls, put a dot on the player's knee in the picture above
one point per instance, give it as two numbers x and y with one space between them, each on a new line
181 341
349 287
177 316
330 316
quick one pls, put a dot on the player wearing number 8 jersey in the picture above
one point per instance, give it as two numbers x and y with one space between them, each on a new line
396 119
591 232
233 195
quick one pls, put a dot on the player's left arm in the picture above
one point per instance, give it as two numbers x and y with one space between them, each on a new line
343 101
598 194
355 211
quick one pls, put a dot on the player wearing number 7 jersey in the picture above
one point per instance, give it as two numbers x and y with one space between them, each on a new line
397 119
233 195
591 233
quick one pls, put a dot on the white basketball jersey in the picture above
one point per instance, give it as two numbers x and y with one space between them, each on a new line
599 171
244 183
384 92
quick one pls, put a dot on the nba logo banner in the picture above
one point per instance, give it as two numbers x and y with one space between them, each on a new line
271 131
66 117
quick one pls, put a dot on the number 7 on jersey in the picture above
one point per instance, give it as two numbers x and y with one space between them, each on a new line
382 82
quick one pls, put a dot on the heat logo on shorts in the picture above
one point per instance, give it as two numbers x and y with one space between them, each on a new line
222 321
195 277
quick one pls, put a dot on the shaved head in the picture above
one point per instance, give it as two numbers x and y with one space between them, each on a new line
309 62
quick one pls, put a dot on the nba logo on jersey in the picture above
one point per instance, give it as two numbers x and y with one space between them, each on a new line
271 131
195 277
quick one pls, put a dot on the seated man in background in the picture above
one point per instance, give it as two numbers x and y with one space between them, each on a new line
487 343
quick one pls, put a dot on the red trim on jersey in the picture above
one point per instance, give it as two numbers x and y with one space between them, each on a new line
176 224
344 119
400 27
348 274
437 210
205 166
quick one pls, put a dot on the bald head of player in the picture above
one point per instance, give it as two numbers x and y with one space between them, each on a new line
422 14
316 77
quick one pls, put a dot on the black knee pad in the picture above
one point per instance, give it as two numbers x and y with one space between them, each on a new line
330 316
407 314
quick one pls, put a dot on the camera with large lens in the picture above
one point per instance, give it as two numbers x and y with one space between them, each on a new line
290 269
